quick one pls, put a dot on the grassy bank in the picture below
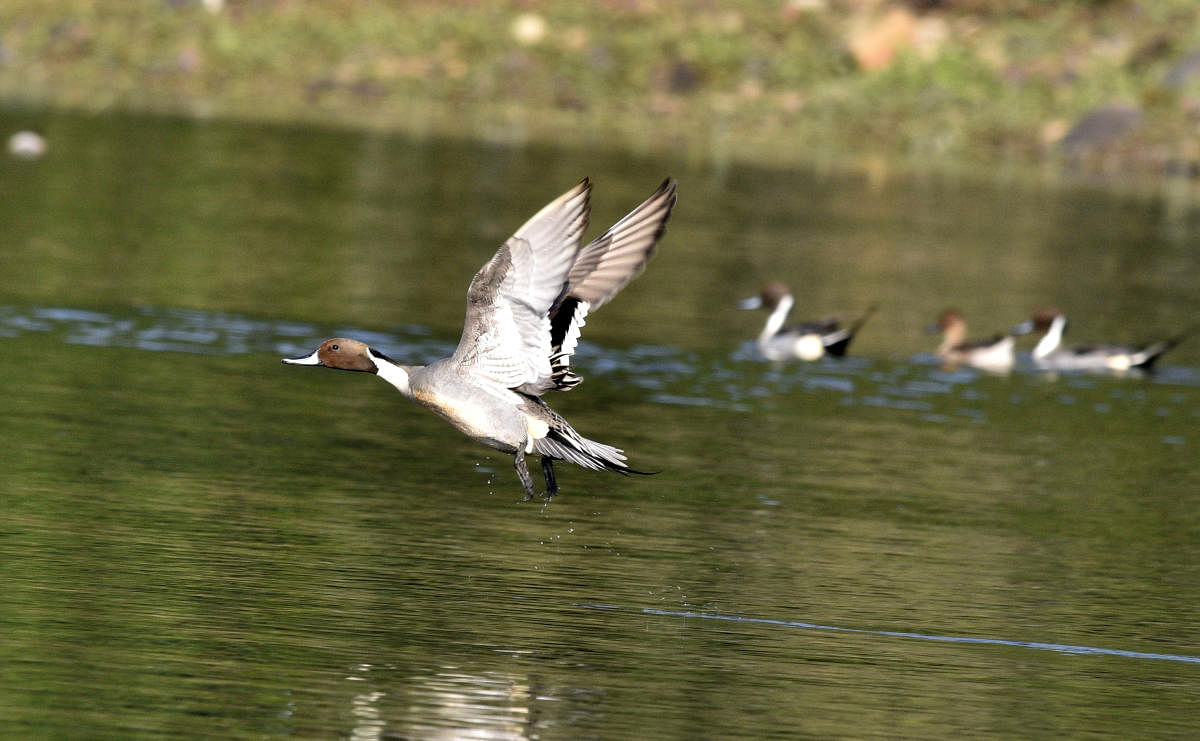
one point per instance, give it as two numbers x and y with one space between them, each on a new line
954 84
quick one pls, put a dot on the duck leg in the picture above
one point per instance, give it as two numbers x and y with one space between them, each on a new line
548 472
523 473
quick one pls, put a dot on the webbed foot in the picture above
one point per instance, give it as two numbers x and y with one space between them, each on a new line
551 481
524 475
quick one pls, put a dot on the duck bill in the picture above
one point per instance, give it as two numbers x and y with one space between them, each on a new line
754 302
1025 327
304 360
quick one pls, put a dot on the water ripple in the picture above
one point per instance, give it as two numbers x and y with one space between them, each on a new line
1057 647
200 332
666 375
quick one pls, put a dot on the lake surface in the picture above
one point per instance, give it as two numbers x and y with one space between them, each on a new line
197 541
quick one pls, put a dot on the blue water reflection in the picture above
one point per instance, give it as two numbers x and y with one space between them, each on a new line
669 375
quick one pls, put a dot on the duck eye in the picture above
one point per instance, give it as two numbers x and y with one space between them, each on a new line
335 347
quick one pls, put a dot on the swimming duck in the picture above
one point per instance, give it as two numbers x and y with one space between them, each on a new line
807 341
525 309
993 354
1050 355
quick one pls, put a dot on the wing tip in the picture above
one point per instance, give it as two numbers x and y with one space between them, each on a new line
665 199
669 187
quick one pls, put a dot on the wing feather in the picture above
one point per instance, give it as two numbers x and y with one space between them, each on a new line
506 335
601 270
610 261
527 305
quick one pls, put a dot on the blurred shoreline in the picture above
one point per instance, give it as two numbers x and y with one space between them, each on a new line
1105 93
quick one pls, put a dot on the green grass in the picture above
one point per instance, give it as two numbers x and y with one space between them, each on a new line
991 84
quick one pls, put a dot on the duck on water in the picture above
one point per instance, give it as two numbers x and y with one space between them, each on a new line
810 340
525 309
1050 354
994 354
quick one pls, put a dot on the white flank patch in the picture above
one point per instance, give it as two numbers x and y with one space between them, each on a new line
809 347
1120 362
998 356
537 430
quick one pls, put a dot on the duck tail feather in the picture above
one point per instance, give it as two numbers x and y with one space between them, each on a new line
837 343
564 443
1149 355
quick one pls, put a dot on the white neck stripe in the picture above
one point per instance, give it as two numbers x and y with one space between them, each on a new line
777 318
392 373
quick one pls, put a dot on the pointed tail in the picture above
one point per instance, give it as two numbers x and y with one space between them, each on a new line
564 443
1149 355
841 343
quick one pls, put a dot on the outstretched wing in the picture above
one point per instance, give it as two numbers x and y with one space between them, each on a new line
506 336
601 269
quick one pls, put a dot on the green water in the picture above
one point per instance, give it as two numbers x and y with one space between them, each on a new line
197 541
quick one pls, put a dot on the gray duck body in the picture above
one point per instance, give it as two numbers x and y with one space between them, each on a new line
525 309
